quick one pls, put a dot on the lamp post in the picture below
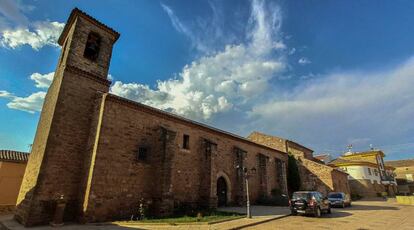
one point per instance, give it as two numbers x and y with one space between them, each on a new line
246 176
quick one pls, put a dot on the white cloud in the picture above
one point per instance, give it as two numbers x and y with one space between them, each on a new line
31 104
42 80
42 34
304 61
11 11
205 33
339 108
229 79
5 94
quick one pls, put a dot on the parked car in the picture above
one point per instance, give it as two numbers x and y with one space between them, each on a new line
309 202
339 199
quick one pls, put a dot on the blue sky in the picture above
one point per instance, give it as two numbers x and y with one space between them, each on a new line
323 73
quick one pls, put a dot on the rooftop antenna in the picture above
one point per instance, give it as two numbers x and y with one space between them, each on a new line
349 147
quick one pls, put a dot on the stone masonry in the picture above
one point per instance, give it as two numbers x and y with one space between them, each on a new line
103 155
313 175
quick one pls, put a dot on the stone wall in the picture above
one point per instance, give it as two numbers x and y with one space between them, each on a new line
320 177
119 181
270 141
313 175
56 165
86 145
365 188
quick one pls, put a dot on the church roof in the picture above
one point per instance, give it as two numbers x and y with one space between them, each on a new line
15 156
77 12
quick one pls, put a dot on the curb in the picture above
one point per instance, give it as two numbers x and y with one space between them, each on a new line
260 222
168 224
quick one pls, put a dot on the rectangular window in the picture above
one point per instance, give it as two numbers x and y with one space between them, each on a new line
369 171
375 172
142 154
186 141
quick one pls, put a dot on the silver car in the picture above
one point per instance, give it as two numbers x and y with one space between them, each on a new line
339 199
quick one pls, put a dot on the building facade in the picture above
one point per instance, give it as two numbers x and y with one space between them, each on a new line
368 175
314 175
12 166
102 155
404 175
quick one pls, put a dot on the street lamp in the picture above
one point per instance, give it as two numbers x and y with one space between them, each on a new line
247 173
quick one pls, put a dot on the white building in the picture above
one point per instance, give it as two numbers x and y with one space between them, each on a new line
367 173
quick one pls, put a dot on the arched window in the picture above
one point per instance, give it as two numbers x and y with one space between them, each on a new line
92 46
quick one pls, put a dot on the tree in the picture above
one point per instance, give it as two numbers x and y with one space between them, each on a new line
293 176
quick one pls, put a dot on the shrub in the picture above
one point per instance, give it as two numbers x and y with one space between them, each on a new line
355 196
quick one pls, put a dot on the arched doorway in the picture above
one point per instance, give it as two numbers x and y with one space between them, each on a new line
221 191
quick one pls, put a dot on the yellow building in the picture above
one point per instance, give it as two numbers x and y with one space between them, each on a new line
404 170
367 174
12 166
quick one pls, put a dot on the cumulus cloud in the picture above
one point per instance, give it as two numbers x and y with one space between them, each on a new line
42 80
17 30
228 79
42 34
32 103
304 61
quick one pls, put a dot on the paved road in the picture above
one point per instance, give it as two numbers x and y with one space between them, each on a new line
362 215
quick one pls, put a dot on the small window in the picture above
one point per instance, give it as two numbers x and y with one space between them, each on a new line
369 171
186 141
92 46
142 154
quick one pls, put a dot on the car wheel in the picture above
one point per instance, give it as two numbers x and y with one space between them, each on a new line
318 212
293 213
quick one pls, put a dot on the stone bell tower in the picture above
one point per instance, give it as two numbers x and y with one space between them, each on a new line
57 163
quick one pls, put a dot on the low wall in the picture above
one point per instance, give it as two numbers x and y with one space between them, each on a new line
409 200
7 209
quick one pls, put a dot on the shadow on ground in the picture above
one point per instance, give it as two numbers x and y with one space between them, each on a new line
371 207
258 210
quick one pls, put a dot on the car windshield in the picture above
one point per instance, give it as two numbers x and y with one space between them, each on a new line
335 195
300 195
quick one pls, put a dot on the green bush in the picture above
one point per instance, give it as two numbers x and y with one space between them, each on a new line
356 196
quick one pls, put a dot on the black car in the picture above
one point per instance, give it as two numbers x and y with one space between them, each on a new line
309 202
339 199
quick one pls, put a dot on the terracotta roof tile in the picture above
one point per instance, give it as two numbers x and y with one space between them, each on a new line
10 155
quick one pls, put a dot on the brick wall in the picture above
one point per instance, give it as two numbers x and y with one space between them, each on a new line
56 164
86 144
119 181
320 177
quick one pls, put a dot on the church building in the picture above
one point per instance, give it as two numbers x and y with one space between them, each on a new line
101 155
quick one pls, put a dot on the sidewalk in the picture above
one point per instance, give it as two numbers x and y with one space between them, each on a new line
261 214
